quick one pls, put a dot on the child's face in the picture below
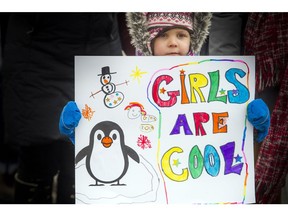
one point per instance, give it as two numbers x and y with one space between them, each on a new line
174 42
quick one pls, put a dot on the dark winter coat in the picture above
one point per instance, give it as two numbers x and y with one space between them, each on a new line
38 68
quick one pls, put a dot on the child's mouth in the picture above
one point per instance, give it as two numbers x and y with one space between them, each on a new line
173 54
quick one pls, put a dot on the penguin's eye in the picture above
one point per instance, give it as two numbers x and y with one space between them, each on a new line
114 136
99 137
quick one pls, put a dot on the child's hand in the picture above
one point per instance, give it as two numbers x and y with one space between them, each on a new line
69 119
259 116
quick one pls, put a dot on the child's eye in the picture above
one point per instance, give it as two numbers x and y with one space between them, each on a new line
182 35
164 35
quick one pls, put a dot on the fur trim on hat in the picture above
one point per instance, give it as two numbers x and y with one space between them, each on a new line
138 30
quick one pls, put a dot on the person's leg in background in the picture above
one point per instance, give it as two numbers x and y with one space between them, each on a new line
65 178
34 177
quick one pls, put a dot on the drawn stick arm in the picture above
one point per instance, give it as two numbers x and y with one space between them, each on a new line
126 82
92 94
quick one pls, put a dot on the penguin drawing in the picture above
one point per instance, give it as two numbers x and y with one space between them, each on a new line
107 155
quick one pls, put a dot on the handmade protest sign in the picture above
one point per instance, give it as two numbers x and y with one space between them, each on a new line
164 129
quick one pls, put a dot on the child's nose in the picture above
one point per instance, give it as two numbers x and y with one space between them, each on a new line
172 42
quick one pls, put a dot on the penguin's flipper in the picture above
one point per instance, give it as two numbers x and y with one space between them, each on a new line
133 154
82 154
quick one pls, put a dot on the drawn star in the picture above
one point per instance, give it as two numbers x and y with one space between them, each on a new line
162 90
238 158
222 91
176 162
107 100
235 92
137 74
182 72
221 121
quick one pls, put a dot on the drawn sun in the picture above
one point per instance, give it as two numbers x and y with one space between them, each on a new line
137 74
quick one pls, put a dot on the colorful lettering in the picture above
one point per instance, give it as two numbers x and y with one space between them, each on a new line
214 87
212 160
197 81
181 122
166 167
199 118
195 162
155 92
219 123
228 153
241 94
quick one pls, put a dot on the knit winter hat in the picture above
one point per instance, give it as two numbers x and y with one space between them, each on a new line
144 27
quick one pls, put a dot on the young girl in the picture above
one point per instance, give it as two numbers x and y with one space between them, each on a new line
169 34
152 32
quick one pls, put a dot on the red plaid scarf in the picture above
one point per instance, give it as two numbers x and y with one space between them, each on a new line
266 37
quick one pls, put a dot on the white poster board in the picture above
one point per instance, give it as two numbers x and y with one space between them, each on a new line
164 129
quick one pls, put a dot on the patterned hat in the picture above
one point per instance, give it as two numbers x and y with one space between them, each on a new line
144 27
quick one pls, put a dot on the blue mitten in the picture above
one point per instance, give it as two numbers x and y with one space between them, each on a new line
259 115
69 119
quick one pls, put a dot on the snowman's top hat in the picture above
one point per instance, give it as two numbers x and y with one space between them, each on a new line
105 71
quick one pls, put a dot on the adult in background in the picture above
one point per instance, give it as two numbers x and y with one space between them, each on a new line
266 37
226 33
38 80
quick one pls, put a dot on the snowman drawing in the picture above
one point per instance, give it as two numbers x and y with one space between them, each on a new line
112 97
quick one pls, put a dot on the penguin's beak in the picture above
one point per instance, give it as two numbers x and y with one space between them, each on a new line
106 142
